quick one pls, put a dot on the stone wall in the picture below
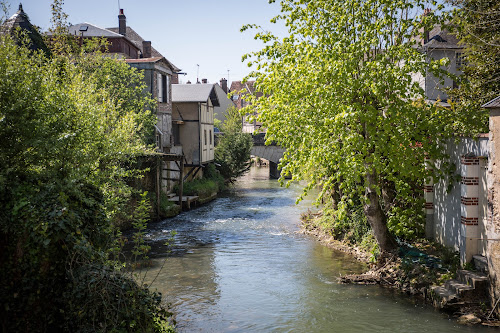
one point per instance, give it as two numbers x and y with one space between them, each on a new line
493 228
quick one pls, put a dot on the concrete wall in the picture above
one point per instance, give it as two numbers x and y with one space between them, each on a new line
448 225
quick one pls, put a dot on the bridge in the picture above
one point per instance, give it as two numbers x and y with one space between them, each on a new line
272 153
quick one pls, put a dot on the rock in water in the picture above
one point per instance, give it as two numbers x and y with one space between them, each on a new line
468 319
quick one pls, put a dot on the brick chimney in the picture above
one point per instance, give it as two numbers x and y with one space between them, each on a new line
427 11
223 84
204 81
146 49
122 23
175 78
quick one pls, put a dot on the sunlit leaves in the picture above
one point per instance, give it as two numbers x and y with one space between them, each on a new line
342 99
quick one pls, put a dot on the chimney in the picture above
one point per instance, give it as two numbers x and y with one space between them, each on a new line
122 23
425 39
204 81
223 84
146 49
175 78
189 82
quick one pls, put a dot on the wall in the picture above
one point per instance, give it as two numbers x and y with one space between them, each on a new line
493 227
207 132
225 103
449 210
152 71
189 130
434 89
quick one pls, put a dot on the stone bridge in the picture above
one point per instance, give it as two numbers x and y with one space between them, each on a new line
272 153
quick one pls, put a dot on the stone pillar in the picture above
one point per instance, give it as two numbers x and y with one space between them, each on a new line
429 202
469 207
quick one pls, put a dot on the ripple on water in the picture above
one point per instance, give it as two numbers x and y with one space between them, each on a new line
238 265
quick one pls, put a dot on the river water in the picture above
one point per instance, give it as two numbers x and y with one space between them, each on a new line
239 264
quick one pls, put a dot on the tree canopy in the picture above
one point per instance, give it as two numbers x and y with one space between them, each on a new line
343 101
477 24
232 153
71 129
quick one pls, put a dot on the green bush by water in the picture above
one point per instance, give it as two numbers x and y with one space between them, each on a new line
212 182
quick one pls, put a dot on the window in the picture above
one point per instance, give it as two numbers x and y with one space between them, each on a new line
176 134
163 84
205 134
167 89
210 135
159 82
235 97
460 60
164 88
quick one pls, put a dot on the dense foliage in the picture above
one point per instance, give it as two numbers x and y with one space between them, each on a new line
343 102
211 182
477 24
232 153
71 128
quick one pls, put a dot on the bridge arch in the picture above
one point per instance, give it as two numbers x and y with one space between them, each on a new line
272 153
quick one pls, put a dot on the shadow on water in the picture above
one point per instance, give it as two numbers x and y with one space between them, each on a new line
239 265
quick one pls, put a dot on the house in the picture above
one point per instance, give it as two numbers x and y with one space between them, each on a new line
224 102
438 44
159 73
21 21
193 123
239 89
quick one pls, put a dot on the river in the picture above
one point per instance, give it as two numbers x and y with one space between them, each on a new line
238 264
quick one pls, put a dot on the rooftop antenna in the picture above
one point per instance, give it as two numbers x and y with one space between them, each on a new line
197 74
228 75
119 7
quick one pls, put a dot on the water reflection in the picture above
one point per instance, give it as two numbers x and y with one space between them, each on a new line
239 265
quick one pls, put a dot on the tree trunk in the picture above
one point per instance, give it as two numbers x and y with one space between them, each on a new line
376 217
335 195
388 195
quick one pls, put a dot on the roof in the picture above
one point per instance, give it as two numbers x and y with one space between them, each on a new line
153 59
239 85
184 93
20 20
135 38
494 103
440 38
90 30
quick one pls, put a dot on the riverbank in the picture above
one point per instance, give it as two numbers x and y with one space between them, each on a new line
413 271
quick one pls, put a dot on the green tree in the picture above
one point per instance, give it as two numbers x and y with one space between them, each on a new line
477 24
71 129
232 153
343 102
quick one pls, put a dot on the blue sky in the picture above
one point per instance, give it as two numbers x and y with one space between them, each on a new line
187 32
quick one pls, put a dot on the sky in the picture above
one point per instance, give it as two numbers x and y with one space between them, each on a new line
187 32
